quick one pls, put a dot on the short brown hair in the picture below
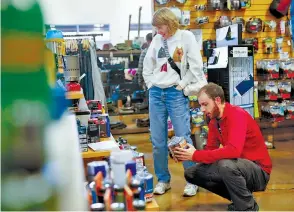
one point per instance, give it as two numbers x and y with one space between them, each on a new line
213 90
165 16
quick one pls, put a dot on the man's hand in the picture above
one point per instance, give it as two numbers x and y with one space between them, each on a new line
184 154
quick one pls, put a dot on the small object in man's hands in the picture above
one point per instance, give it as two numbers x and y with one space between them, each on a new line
177 142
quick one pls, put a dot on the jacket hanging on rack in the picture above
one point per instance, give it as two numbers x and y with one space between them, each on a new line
99 93
86 67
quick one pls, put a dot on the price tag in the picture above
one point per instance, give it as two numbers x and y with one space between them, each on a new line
240 52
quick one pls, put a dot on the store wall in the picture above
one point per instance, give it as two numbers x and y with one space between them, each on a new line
113 12
259 9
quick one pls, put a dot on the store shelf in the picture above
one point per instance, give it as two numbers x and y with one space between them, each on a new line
117 53
152 206
74 95
99 154
130 129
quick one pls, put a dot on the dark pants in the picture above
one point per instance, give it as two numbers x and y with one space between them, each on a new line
233 179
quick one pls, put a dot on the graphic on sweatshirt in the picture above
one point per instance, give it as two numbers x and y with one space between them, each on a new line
163 68
178 54
161 53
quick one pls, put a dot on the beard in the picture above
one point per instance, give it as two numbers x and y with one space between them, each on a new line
215 111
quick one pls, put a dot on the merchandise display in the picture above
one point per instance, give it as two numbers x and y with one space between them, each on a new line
122 182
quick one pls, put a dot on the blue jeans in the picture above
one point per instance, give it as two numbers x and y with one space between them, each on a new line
164 102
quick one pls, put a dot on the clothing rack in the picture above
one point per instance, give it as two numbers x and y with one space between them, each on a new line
86 35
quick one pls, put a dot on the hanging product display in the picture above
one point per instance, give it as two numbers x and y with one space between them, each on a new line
222 21
279 44
202 20
185 18
233 4
254 25
215 4
245 4
273 111
177 12
282 27
271 24
289 110
208 45
200 7
268 45
252 41
284 89
181 1
239 20
286 69
271 90
162 2
279 8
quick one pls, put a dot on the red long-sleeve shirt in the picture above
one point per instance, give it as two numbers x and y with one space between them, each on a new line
240 137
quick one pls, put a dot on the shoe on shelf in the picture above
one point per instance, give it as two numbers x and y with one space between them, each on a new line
161 188
190 190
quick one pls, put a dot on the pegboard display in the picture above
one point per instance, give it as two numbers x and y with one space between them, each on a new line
258 9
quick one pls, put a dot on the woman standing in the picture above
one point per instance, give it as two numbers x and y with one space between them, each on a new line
165 86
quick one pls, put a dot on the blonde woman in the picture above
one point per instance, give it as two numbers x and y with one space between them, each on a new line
166 97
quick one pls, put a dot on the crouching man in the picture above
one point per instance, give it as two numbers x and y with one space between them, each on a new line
241 166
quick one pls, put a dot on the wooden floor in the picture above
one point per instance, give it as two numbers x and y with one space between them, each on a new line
279 195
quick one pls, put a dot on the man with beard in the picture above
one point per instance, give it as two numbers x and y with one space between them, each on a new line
241 166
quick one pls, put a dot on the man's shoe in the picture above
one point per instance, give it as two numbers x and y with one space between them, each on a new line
190 190
255 207
231 207
161 188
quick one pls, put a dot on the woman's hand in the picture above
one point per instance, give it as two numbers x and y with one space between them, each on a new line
179 88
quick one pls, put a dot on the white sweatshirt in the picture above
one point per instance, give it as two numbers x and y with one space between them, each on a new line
155 61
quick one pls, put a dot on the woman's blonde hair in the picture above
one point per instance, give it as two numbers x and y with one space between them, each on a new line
165 16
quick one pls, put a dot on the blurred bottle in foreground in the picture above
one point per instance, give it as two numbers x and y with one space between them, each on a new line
26 99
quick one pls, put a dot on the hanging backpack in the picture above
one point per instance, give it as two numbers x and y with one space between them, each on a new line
279 8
